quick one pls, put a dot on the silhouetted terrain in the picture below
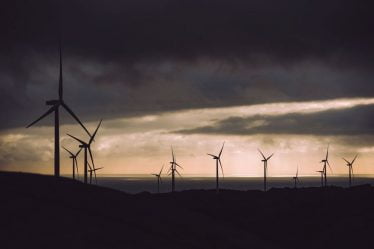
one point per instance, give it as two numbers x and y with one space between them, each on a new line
45 212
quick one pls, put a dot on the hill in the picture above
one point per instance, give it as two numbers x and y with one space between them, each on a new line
38 211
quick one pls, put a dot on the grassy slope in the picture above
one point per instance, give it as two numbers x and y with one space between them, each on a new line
44 212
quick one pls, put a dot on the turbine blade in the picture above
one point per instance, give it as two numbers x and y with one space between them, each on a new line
220 164
89 150
297 171
161 169
269 157
68 151
261 154
160 179
79 151
178 173
76 164
211 155
219 155
354 159
89 166
80 141
95 176
329 166
172 153
75 117
179 166
345 160
327 152
97 128
42 116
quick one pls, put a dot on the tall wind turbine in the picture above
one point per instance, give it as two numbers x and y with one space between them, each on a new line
296 178
158 179
326 163
173 170
74 159
218 162
93 170
55 105
350 169
87 146
265 160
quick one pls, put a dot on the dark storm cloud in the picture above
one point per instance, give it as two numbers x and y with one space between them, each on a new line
130 30
348 122
136 57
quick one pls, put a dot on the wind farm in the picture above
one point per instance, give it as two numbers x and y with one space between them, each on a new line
186 124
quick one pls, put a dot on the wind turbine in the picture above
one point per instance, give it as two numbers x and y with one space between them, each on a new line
87 146
158 179
74 159
325 163
296 178
322 173
93 170
350 168
218 162
55 105
265 160
173 169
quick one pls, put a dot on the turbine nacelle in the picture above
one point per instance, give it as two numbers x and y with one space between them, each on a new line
53 102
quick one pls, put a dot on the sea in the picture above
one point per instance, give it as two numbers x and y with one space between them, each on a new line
141 183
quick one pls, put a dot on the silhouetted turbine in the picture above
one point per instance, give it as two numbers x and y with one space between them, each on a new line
93 170
55 108
350 169
173 169
218 161
325 163
322 173
296 178
158 179
265 160
74 159
87 146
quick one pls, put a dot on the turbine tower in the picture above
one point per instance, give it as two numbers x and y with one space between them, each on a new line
158 179
296 178
87 147
350 169
55 105
74 159
218 162
326 163
173 170
265 160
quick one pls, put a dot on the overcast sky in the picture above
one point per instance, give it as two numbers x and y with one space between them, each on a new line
287 76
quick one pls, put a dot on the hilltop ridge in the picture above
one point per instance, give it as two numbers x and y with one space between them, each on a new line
39 211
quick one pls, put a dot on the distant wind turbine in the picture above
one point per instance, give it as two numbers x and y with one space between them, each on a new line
218 162
326 163
350 169
173 170
296 178
87 146
74 159
158 179
265 160
322 173
55 108
93 170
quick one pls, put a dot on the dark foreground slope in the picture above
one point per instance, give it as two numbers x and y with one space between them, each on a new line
44 212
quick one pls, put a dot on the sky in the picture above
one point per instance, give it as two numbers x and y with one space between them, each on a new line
288 77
